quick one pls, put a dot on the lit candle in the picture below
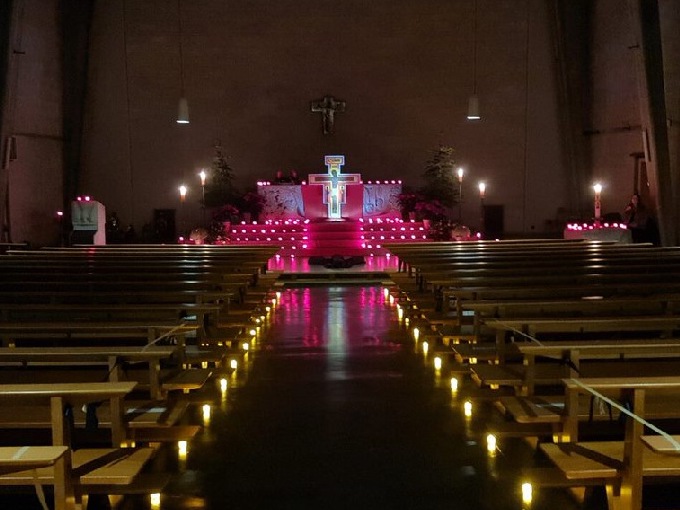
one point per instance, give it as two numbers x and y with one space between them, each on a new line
527 491
454 384
182 193
597 188
491 443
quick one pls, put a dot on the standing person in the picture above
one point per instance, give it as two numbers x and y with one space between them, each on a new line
637 219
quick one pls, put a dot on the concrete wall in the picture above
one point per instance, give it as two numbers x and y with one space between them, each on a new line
33 117
251 69
615 116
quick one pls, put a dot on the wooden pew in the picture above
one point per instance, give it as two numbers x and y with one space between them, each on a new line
622 464
655 304
110 357
533 327
16 459
59 398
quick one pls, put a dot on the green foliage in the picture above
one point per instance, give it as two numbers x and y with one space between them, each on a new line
440 181
220 189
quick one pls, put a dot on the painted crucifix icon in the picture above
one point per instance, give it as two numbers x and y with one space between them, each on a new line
334 183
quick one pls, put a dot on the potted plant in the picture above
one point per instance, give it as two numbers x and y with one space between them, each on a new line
430 210
252 204
407 203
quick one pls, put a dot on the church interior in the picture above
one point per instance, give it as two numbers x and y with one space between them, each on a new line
315 254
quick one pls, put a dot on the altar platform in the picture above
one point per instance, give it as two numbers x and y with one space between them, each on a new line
334 213
305 238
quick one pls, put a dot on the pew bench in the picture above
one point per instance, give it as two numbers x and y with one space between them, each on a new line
658 304
627 462
603 461
588 327
96 471
97 332
79 358
17 459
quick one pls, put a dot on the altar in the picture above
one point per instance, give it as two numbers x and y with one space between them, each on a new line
331 196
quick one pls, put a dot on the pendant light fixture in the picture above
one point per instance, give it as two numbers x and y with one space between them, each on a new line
473 100
183 105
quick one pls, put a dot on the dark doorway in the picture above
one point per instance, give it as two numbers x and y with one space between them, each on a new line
493 221
164 225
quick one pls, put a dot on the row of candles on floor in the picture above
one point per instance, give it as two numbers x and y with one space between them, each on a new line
437 364
223 383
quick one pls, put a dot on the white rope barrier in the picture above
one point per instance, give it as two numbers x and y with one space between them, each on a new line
166 334
613 403
675 444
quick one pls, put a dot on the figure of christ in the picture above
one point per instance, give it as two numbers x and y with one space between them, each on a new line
334 185
328 107
334 195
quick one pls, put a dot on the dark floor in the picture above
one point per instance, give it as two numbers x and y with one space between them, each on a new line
338 411
335 409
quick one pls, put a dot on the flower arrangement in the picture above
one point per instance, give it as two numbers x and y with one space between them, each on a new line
253 203
430 210
407 201
225 213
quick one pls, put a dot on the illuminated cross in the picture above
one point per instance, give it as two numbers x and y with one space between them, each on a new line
334 184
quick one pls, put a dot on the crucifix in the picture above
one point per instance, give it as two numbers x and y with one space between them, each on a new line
327 107
334 184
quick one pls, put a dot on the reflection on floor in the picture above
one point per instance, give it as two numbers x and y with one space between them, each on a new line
291 264
336 407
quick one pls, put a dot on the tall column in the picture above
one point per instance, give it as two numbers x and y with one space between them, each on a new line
652 104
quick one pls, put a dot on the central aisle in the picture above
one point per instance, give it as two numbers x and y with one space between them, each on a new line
338 411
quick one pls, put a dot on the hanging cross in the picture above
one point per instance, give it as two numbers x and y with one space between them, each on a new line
327 107
334 184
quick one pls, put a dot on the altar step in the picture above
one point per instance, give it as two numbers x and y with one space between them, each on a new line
327 238
347 238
